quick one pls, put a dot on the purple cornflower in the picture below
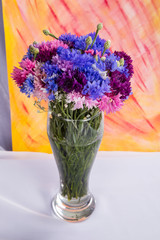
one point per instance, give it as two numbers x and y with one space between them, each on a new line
48 49
72 80
61 64
128 67
120 84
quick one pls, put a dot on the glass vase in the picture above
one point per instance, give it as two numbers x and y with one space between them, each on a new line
75 144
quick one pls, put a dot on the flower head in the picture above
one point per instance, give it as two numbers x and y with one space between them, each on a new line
120 84
20 75
72 80
111 63
80 101
127 67
28 85
96 86
40 90
61 63
28 65
48 49
110 104
50 69
68 39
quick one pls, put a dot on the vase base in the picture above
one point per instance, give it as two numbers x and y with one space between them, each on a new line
75 210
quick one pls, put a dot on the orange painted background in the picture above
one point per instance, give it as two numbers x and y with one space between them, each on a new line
132 26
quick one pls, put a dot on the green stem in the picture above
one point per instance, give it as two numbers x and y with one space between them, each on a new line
75 144
94 38
52 35
104 51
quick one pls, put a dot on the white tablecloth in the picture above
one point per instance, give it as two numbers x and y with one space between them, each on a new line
126 186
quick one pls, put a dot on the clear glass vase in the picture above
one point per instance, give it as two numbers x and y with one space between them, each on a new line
75 144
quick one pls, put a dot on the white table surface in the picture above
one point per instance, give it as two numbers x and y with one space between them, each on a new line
126 186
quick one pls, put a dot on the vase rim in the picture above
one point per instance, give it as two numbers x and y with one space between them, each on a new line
76 120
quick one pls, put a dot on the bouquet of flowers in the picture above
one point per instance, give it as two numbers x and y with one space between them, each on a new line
80 77
78 70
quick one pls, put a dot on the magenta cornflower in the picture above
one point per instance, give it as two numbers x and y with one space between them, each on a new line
20 75
110 104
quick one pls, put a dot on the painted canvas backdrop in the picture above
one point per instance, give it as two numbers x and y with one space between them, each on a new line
132 26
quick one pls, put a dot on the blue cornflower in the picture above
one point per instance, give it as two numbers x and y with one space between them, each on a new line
28 55
65 54
76 42
50 83
28 85
51 97
68 39
111 63
50 69
101 65
124 70
52 72
80 43
78 60
96 86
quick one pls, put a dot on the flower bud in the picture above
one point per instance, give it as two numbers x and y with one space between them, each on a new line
36 51
121 61
99 26
88 40
107 44
103 58
118 64
31 48
35 43
46 32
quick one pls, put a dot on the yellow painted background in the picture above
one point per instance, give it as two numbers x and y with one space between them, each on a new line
132 26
